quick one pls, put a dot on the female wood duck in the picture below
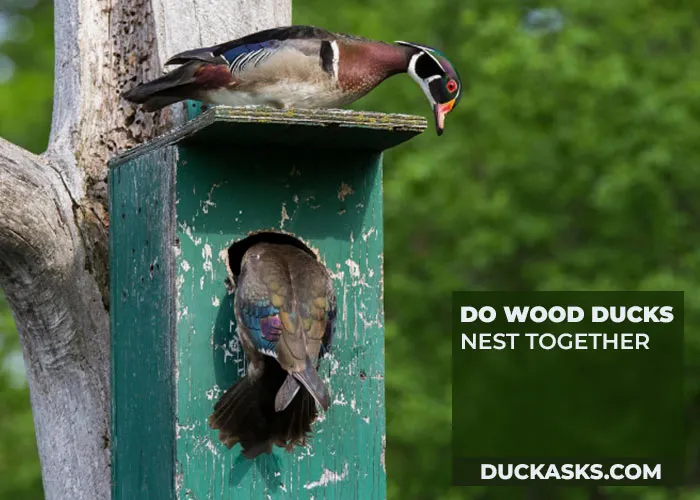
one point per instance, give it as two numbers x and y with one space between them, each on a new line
285 311
302 67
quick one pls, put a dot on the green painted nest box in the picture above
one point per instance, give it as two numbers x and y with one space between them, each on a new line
182 210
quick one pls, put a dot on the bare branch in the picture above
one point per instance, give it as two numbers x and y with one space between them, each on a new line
62 324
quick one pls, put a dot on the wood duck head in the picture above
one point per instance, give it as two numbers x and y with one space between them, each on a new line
436 75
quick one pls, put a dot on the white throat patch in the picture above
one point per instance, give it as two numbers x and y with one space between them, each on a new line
336 59
422 83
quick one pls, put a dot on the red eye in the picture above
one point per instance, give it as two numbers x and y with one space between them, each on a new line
451 86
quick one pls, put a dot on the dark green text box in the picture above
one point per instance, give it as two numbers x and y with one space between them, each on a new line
516 404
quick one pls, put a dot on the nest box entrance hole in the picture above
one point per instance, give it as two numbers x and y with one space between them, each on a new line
238 249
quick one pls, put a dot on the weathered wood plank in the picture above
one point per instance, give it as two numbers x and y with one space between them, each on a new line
142 325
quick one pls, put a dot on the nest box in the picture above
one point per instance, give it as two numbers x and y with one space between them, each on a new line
182 208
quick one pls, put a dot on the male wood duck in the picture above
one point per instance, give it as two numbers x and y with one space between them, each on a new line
300 67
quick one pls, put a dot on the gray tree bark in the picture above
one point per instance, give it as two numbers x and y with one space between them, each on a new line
53 215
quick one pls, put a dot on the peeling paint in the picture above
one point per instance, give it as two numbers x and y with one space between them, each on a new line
223 255
179 428
338 274
344 191
328 477
232 350
311 205
179 283
354 268
369 323
197 240
181 313
382 456
205 204
210 446
179 481
305 451
335 364
206 255
369 233
285 216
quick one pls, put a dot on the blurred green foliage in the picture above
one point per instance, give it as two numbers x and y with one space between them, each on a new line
567 165
26 72
26 93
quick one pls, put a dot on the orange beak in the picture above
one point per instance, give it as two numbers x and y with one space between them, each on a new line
441 111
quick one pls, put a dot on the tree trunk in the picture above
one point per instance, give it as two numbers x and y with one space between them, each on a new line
53 217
